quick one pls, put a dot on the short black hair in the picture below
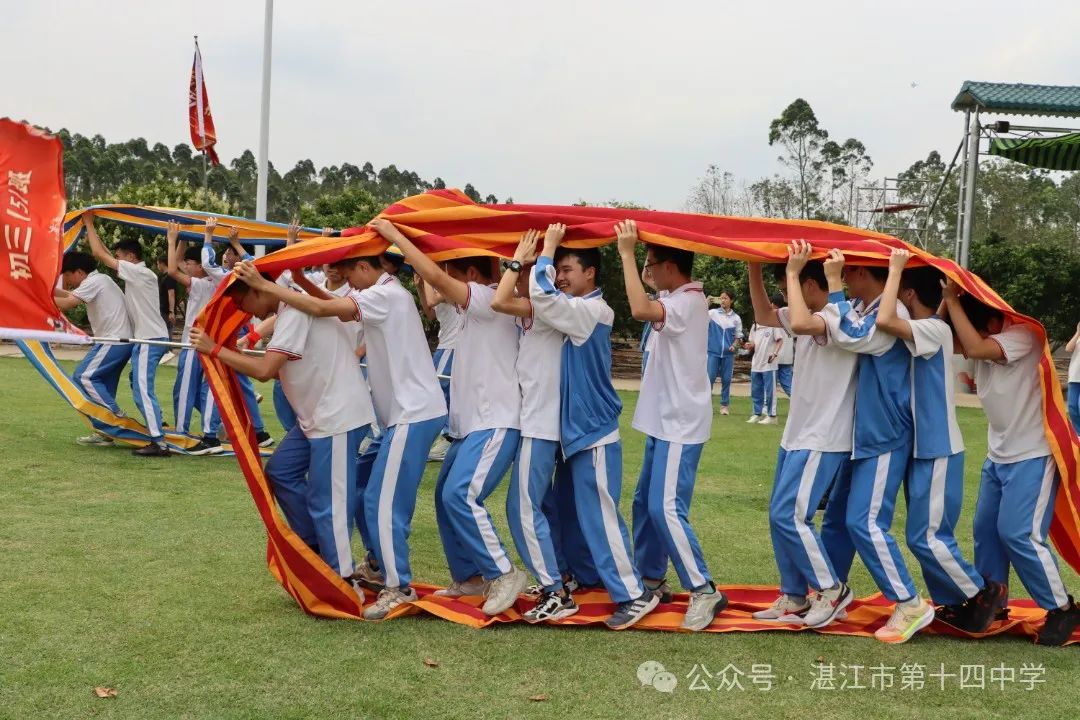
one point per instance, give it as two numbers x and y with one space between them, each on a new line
728 292
163 259
926 282
683 259
394 259
778 300
979 313
814 270
76 260
239 288
350 263
586 257
194 254
482 264
248 248
131 246
880 273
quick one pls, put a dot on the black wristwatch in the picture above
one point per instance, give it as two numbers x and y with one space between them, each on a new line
511 265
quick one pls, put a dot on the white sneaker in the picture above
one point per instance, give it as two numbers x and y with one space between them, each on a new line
907 619
704 607
754 419
389 598
827 605
95 439
771 420
504 591
782 607
724 410
166 358
438 450
456 589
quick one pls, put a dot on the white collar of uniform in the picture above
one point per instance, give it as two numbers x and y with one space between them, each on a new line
722 311
688 287
92 273
385 278
864 308
595 293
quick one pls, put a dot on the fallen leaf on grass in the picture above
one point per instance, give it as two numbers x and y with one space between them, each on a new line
539 698
431 663
104 692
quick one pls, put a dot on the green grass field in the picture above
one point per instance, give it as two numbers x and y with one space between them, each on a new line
149 576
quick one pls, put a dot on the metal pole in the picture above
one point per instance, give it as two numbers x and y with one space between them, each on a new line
964 144
972 171
204 171
264 119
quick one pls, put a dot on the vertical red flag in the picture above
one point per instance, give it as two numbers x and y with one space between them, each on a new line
32 209
200 120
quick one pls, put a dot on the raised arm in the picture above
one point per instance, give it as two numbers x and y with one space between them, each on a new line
764 312
641 307
506 301
97 248
887 319
974 345
234 241
342 308
261 368
214 271
453 290
171 235
803 322
1071 345
426 298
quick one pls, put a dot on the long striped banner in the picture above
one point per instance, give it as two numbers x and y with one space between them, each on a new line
446 224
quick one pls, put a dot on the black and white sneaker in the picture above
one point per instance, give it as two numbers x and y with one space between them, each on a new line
569 582
629 612
263 439
207 446
551 606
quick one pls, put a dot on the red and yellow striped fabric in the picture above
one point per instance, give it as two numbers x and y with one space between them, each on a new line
446 224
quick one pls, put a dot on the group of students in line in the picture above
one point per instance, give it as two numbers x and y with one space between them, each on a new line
530 392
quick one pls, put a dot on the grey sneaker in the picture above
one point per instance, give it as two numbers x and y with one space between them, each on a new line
389 598
438 450
95 439
503 592
827 606
783 606
458 589
704 607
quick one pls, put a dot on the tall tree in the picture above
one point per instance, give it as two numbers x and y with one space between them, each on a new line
801 138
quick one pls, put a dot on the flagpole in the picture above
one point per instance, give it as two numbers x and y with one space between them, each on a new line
264 118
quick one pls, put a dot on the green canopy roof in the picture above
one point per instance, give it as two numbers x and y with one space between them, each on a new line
1019 99
1054 153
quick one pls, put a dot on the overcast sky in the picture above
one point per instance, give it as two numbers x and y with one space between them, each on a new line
549 102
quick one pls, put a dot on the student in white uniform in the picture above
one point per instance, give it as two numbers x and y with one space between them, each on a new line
765 342
485 419
450 320
191 390
313 470
98 373
1019 478
674 411
935 481
815 452
1073 347
565 296
530 498
408 405
141 301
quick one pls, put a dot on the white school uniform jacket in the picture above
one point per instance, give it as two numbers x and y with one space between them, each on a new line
539 369
1011 396
764 339
321 374
449 325
933 404
105 307
821 414
675 402
402 377
484 392
199 292
589 414
141 300
883 420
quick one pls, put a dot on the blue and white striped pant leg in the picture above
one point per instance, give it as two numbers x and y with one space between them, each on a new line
770 392
650 550
875 483
365 464
802 477
783 376
285 414
597 474
251 402
727 370
834 533
144 365
935 496
571 551
188 389
98 373
331 496
458 560
444 365
390 497
206 402
670 486
482 459
287 470
530 484
1012 519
